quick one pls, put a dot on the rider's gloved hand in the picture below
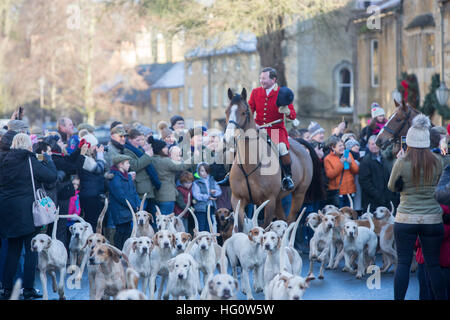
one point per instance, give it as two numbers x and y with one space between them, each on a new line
284 110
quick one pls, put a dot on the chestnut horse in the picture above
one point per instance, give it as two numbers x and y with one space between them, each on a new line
255 175
397 125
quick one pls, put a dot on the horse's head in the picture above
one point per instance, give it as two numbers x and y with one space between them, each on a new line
238 113
397 125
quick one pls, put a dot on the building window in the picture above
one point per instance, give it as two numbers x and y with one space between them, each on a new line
205 96
429 42
225 97
215 98
158 102
169 101
205 67
344 85
238 64
180 101
190 98
224 65
189 69
374 63
214 66
252 62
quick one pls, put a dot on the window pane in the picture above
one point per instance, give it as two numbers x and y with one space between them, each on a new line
375 64
344 97
205 97
344 76
430 50
190 98
180 101
169 101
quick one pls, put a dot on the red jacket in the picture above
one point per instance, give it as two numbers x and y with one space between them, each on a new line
267 111
444 258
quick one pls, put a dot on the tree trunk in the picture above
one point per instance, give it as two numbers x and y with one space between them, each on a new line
271 55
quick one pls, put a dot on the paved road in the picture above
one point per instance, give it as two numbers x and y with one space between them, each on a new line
337 285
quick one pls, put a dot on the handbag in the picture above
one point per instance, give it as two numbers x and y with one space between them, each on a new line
44 209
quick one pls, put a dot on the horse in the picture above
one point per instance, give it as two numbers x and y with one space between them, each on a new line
255 175
397 126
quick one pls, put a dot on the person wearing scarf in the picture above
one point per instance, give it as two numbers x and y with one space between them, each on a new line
375 124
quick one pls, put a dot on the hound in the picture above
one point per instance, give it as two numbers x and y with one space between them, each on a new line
182 241
139 259
358 240
271 243
247 250
95 239
320 243
183 277
132 279
225 222
222 286
337 242
77 247
330 208
162 252
110 277
144 228
52 257
277 226
204 249
172 222
285 285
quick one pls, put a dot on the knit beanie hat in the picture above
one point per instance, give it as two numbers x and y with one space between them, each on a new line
351 143
157 145
376 110
165 133
314 128
418 135
174 120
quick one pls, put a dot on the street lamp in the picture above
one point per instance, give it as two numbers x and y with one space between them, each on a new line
442 92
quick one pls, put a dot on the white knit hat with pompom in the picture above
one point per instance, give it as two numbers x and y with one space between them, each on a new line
418 135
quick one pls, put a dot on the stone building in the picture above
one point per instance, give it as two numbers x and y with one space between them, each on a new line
405 39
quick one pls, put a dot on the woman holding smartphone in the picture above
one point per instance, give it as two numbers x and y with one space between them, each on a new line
341 180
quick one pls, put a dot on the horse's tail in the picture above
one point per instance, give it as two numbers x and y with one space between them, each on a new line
316 190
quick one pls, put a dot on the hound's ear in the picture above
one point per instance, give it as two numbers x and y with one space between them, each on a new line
174 240
285 280
71 229
250 236
189 236
134 245
230 94
171 215
236 283
155 239
171 264
114 255
279 243
86 226
244 94
211 282
49 243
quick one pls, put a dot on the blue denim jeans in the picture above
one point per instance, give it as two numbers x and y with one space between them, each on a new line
166 207
203 220
430 236
425 292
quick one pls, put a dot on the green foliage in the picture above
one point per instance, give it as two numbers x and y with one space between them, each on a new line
431 104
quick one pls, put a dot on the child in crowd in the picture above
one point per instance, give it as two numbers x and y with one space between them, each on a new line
205 191
184 188
121 188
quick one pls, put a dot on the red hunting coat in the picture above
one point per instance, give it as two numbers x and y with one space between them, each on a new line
267 111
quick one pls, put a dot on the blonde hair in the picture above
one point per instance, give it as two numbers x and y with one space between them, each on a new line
22 141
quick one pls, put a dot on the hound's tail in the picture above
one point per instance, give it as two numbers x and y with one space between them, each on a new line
16 290
133 216
101 217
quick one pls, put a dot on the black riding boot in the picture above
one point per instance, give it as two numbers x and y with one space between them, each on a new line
287 183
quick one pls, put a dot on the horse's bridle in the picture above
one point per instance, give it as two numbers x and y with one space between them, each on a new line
395 133
247 118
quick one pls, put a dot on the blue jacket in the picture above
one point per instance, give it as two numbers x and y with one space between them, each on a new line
121 188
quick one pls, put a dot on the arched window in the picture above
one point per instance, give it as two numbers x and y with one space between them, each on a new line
343 76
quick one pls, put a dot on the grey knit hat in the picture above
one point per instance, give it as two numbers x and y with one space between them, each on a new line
17 126
314 128
418 135
351 143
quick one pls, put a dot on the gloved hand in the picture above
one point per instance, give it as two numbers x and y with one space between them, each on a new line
284 110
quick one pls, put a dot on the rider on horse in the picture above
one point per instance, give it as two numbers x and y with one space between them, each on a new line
271 103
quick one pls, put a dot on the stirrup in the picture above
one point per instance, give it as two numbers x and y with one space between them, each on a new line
287 184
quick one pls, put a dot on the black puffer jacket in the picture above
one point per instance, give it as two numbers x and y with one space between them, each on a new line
16 191
442 193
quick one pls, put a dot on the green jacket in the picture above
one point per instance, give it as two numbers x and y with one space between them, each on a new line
167 168
415 200
110 154
142 181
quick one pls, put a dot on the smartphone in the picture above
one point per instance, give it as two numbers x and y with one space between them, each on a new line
403 143
346 164
19 114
